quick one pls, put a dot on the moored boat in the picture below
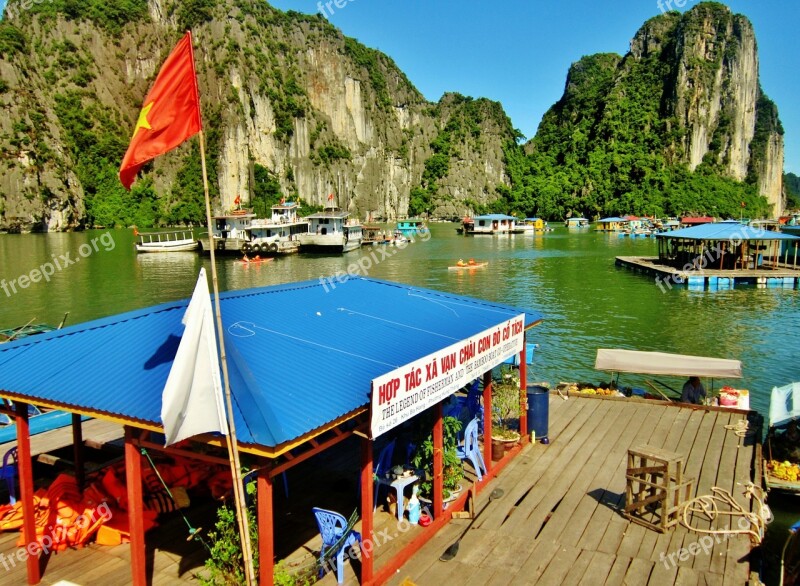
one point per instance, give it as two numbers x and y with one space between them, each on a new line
782 445
172 241
277 235
330 231
230 233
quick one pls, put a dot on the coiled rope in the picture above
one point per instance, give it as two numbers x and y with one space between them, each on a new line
706 507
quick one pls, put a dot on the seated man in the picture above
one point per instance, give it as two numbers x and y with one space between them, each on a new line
693 391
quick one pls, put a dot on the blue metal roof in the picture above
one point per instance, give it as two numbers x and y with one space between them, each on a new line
495 217
614 219
725 231
299 355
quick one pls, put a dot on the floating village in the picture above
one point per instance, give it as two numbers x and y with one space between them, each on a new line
350 429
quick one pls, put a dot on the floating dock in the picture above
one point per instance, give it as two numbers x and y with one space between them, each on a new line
559 520
668 277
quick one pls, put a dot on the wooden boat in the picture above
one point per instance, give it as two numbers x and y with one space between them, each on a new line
175 241
29 329
782 446
477 265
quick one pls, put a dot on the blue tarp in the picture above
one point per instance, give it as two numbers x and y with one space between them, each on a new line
300 355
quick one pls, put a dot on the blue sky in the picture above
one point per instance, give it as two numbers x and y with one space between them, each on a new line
518 52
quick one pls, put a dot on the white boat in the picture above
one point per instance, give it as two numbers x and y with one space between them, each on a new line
278 234
782 446
230 232
331 231
175 241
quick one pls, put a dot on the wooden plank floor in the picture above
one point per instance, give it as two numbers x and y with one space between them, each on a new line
95 432
559 519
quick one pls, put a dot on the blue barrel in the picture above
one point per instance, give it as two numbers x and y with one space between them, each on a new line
539 411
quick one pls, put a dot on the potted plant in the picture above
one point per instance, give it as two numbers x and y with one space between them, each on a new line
505 410
422 459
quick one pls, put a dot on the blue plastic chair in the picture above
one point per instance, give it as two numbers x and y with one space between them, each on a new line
332 527
399 485
9 473
471 450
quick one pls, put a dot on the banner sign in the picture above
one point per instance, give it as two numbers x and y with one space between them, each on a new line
407 391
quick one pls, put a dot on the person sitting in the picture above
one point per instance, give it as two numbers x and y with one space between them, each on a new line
461 263
693 391
257 258
472 261
245 258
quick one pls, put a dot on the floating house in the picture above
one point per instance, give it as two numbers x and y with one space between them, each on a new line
492 224
285 411
576 223
687 222
411 227
727 253
612 224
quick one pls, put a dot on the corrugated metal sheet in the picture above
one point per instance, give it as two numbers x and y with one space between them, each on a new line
725 231
299 355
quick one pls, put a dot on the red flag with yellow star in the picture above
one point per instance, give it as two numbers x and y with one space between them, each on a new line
170 114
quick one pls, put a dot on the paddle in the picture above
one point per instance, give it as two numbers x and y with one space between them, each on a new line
452 551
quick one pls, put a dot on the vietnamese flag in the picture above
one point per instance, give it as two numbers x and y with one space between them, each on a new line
170 115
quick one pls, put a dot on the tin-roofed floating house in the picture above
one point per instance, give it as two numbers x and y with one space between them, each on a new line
722 255
612 224
115 368
492 224
576 223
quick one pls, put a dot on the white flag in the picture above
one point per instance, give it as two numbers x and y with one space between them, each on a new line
192 400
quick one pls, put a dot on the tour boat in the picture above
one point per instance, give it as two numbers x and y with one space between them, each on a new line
277 235
331 231
782 447
230 233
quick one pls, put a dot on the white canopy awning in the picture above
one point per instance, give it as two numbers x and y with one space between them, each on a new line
784 404
666 364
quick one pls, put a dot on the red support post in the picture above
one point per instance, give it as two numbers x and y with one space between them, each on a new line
77 449
25 471
523 397
367 520
487 419
266 530
133 477
438 451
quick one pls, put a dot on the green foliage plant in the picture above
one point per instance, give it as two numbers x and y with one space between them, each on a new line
453 472
506 403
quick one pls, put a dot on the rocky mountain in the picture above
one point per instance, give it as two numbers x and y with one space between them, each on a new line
679 124
290 106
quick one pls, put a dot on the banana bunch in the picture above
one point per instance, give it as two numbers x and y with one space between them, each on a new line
784 470
599 391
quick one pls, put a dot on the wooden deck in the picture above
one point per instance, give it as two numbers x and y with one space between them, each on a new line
781 276
96 433
559 521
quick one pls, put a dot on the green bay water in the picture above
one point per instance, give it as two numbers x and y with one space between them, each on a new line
567 276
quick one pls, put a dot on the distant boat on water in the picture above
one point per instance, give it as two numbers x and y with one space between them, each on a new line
174 241
576 223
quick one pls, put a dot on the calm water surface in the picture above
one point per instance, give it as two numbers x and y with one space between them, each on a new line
570 278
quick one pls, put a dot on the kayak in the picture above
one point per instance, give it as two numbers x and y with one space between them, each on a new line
477 265
254 261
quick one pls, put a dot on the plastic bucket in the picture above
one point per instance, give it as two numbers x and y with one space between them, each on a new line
539 411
